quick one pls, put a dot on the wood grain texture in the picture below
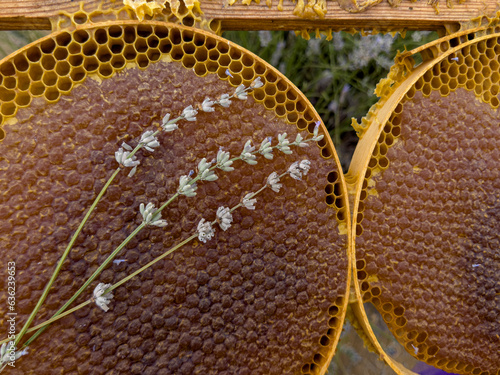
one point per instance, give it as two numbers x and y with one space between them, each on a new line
418 15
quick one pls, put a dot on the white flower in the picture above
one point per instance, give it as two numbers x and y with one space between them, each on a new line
224 217
317 137
149 140
297 169
283 144
298 141
204 171
246 154
223 161
126 146
240 92
167 125
185 188
207 105
149 217
122 157
132 171
257 83
304 166
273 181
6 354
205 231
189 113
265 148
248 202
224 100
294 171
102 300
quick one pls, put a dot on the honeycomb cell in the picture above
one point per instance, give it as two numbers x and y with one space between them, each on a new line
232 304
430 213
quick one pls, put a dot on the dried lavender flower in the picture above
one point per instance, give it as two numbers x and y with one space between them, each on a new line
296 170
167 125
102 300
205 231
273 182
248 202
240 92
6 354
207 105
265 148
122 157
223 161
317 137
304 166
283 144
149 140
149 217
256 83
204 171
224 218
298 141
224 100
185 188
246 154
189 113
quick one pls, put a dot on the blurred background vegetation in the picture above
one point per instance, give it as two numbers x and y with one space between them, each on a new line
339 78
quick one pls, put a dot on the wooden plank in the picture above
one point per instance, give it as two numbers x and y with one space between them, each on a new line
418 15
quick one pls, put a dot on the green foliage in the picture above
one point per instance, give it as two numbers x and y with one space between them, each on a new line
11 41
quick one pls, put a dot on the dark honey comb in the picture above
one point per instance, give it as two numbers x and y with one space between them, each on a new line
265 297
428 222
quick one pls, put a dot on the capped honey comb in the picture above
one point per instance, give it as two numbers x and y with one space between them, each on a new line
427 205
267 296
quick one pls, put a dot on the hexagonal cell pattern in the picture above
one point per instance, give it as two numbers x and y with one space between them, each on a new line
267 296
427 225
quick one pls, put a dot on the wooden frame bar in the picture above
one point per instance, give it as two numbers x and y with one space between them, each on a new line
418 15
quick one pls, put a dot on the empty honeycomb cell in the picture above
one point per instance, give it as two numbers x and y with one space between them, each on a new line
23 82
74 48
6 95
60 53
79 18
153 41
141 45
7 69
37 88
48 62
130 53
188 61
62 68
21 63
104 54
75 60
106 70
101 36
78 74
64 84
52 94
153 54
153 324
235 66
8 108
90 63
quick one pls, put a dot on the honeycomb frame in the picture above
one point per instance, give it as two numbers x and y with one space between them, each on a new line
52 67
465 60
